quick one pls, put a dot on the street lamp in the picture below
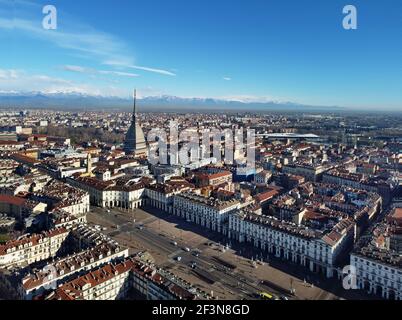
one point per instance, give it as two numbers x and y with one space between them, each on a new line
292 290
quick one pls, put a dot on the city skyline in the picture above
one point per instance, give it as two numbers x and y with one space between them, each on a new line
309 208
219 155
259 51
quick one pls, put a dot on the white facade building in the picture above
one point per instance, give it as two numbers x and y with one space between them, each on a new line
32 249
378 277
111 193
310 248
160 196
210 213
53 273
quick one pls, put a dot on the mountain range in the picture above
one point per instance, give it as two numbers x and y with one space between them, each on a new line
79 101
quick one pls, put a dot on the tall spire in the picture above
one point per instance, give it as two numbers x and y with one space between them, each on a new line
135 141
135 105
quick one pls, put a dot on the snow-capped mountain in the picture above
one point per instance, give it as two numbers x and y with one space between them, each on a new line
77 100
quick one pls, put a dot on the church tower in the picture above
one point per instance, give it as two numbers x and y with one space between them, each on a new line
89 163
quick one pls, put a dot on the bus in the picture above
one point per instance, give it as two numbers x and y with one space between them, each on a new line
267 296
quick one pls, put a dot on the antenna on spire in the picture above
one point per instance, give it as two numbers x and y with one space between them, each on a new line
135 104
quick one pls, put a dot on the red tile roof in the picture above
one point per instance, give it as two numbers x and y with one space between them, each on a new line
267 195
17 201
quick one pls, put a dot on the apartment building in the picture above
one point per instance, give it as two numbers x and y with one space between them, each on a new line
378 274
213 179
312 172
19 207
161 195
59 218
377 258
120 193
61 196
11 145
207 212
85 236
54 273
7 167
118 280
263 177
308 247
344 177
110 282
33 248
383 185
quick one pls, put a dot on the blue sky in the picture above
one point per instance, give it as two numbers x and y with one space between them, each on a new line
250 50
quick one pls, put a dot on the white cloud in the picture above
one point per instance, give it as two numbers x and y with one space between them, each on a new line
8 74
80 38
130 66
78 69
227 78
160 71
119 73
249 98
21 81
86 40
92 71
